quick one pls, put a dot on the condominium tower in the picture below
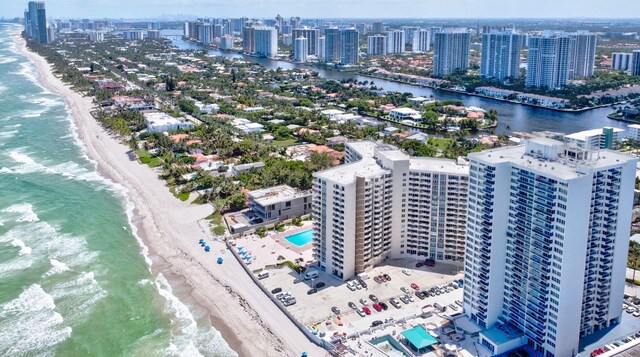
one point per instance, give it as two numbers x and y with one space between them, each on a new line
312 35
249 40
332 45
350 41
35 21
377 45
621 61
546 247
548 60
266 39
384 204
421 40
396 40
300 49
583 54
501 54
635 63
451 52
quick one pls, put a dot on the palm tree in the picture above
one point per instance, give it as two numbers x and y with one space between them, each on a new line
634 255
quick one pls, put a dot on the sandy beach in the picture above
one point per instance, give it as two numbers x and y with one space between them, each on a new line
246 318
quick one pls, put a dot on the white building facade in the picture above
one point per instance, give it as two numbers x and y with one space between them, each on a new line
377 45
547 239
421 40
300 49
451 52
384 204
395 41
501 55
266 41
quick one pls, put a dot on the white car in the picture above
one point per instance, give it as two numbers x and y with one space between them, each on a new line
406 272
351 286
636 314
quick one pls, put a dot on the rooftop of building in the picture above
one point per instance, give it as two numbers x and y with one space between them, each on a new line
363 148
547 156
583 135
276 194
347 173
439 165
159 118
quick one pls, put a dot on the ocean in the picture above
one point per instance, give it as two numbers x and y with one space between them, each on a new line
74 278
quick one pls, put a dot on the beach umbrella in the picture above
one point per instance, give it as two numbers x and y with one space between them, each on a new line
203 243
248 258
219 260
243 253
200 241
240 249
207 248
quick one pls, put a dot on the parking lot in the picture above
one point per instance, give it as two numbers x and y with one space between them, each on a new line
315 309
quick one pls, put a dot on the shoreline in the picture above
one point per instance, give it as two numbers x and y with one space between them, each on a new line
576 111
169 229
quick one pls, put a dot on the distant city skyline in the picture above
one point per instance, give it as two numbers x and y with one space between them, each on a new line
328 8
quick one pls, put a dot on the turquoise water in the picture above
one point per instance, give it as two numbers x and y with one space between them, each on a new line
73 277
301 238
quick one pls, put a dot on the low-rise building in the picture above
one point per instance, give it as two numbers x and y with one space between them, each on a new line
279 203
239 169
603 138
161 122
405 114
247 126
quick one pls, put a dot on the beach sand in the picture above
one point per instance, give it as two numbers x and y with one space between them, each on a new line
250 323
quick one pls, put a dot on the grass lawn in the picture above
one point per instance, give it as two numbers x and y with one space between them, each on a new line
283 143
440 143
217 223
147 158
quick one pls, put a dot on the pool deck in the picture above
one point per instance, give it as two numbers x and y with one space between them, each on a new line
265 251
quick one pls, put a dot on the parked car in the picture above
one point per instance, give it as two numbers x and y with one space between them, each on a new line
335 310
420 295
352 305
351 286
395 303
320 284
406 272
415 286
405 290
453 307
381 278
373 298
430 262
409 297
459 302
297 280
387 277
404 299
376 323
363 284
419 265
366 310
377 307
363 301
312 291
276 290
289 302
360 312
384 306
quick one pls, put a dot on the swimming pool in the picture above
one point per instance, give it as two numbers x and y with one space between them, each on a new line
301 238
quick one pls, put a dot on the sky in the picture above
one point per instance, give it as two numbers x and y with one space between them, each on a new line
332 8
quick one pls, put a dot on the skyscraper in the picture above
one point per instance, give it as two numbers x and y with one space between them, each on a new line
621 61
548 60
501 54
383 203
333 45
311 34
583 54
266 39
36 22
396 41
451 52
377 45
547 241
300 49
249 40
635 63
350 46
377 27
421 40
322 48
